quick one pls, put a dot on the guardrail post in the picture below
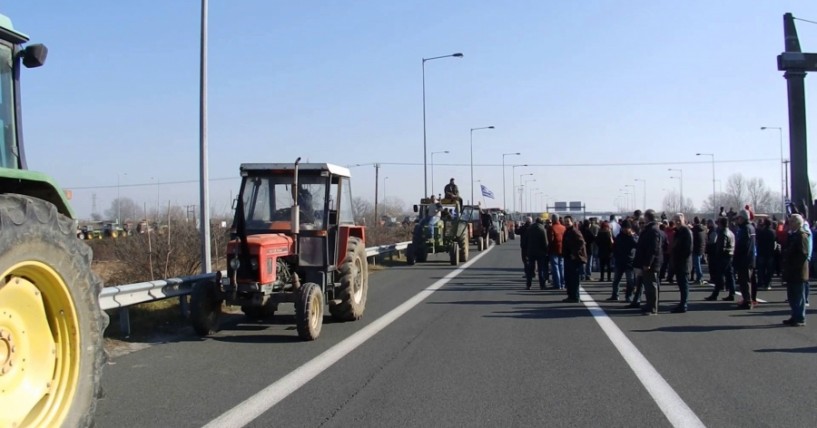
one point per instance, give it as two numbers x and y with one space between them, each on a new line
124 322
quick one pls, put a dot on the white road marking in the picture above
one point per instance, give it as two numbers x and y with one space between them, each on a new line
253 407
674 408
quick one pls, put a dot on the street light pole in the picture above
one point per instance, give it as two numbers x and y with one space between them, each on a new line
522 194
425 150
635 199
783 167
504 203
118 200
644 193
521 207
384 195
432 168
513 185
681 185
204 189
714 195
472 157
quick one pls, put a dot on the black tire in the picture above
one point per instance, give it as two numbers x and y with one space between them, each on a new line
309 311
454 254
354 284
205 308
410 254
462 242
480 244
34 234
422 253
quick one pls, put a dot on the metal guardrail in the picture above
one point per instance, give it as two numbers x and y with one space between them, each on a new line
122 296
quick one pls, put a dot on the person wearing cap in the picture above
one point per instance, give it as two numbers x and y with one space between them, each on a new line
744 260
556 234
537 247
681 255
795 270
648 258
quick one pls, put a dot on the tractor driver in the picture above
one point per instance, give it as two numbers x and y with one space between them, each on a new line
452 191
307 214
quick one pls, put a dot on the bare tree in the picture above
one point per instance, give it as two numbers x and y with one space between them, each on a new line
736 193
759 196
124 208
361 208
672 204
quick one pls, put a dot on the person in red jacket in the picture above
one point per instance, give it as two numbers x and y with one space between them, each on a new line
556 234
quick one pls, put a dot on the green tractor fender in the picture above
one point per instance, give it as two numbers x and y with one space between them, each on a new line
36 185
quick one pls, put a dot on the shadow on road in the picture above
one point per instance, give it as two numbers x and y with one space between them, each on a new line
704 328
550 312
806 350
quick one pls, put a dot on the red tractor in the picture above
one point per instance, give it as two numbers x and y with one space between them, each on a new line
294 241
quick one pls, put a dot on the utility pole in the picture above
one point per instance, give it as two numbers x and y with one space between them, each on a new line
376 191
204 194
794 63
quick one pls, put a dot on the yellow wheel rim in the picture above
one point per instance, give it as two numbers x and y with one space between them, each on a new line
39 346
316 307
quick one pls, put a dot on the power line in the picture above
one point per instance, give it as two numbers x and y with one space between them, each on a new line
805 20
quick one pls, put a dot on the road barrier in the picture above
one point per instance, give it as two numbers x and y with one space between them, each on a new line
122 296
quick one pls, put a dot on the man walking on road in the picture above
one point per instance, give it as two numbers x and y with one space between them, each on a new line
724 251
766 242
698 250
648 258
537 253
575 256
556 234
624 253
744 261
795 270
681 253
522 231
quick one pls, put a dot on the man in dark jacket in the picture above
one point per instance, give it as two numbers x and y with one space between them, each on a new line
681 253
744 261
724 253
648 259
698 250
522 231
766 241
795 270
575 256
537 253
623 254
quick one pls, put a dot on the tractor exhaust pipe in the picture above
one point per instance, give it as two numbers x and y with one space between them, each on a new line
294 215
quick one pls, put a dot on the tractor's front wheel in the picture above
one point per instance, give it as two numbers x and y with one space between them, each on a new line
354 284
205 308
454 254
51 352
309 311
410 256
462 241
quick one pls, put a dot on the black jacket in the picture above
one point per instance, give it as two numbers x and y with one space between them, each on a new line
648 252
744 247
624 250
765 242
537 241
604 242
682 247
698 239
522 231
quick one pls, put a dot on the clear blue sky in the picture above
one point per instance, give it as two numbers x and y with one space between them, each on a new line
580 82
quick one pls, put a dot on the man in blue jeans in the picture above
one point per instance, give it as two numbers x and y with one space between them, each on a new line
556 234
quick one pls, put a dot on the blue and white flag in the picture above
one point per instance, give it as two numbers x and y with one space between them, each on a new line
485 192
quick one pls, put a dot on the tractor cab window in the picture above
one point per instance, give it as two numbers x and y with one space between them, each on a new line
270 199
8 141
346 212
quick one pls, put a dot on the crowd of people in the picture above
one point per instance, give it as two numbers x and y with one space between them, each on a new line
743 254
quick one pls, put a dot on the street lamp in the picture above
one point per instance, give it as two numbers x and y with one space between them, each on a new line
714 195
425 166
634 197
531 205
472 157
432 168
681 185
513 185
644 193
118 200
520 190
384 194
504 204
522 194
783 185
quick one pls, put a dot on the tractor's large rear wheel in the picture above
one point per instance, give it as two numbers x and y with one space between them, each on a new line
51 352
410 254
354 284
422 253
309 311
454 254
462 242
205 308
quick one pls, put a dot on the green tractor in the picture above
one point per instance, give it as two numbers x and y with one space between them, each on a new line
440 229
51 352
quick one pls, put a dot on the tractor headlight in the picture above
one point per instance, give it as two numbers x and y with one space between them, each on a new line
234 263
254 264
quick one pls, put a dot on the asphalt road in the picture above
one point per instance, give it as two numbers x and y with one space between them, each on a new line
482 351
